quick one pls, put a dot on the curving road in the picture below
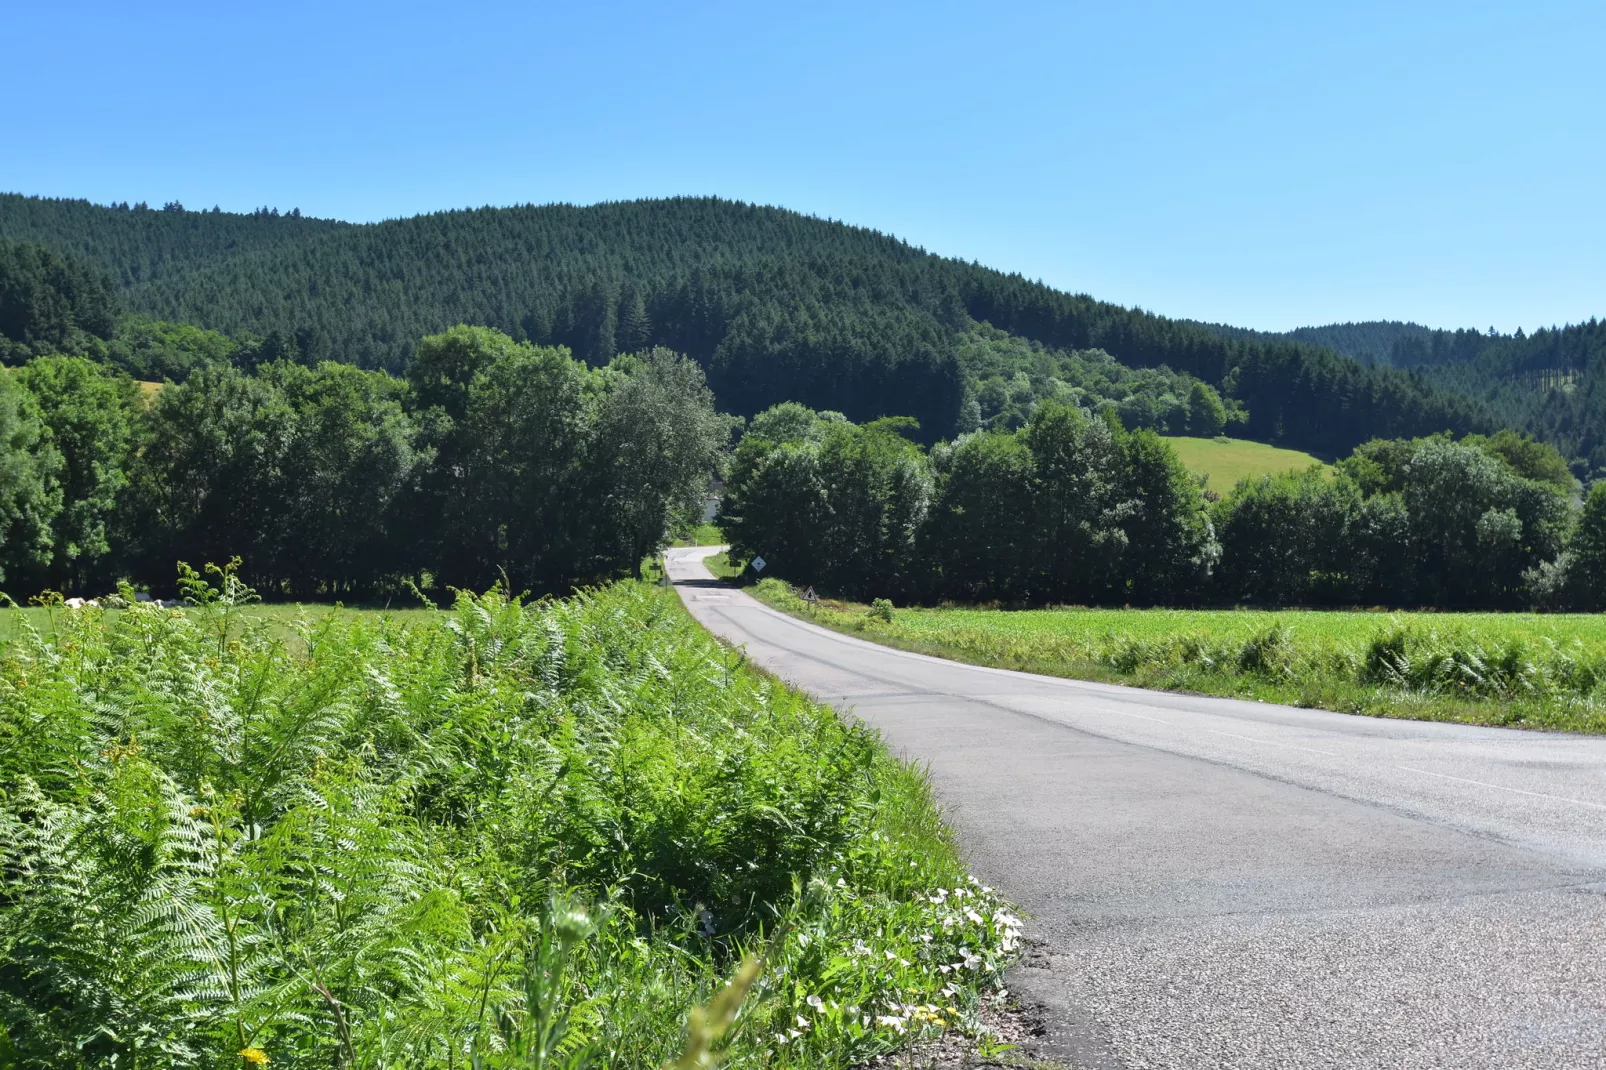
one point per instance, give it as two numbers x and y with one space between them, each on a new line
1217 883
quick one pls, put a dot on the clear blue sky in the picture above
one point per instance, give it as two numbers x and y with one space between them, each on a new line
1268 165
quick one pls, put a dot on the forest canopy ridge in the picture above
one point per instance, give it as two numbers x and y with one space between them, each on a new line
774 304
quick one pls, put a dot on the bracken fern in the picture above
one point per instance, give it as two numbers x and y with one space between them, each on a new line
505 835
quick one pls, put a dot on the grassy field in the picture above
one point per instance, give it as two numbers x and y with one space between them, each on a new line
703 535
495 836
285 619
1542 671
723 567
1227 460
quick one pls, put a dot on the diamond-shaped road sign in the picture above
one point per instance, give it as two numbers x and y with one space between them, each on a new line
758 564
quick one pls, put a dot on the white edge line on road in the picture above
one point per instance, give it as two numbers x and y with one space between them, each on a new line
1229 735
1114 690
1502 787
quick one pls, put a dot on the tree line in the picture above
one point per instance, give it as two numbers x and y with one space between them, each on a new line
1074 508
774 305
491 461
1550 384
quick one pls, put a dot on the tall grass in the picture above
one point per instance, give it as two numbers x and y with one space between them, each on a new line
702 535
1486 668
503 835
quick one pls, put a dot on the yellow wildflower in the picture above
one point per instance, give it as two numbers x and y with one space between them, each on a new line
254 1056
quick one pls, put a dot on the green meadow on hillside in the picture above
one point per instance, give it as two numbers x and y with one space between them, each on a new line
1227 460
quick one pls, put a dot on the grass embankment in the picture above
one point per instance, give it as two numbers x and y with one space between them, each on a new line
1540 671
1227 460
703 535
286 619
497 836
723 567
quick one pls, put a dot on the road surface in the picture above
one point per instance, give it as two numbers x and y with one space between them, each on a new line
1218 883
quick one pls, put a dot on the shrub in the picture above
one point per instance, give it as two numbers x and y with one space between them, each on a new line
1267 652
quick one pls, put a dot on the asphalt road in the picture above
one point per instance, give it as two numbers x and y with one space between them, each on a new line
1217 883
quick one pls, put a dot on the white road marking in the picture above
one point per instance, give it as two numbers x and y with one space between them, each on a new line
1229 735
1502 787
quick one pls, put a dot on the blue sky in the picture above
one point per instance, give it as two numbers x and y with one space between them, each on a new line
1268 165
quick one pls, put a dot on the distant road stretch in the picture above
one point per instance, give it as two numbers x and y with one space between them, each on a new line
1217 883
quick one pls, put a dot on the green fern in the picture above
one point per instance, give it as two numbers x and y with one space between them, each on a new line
502 836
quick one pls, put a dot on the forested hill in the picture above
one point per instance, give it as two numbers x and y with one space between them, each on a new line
777 306
1370 342
137 245
1551 384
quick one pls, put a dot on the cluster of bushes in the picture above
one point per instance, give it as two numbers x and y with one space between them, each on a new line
1485 522
1074 509
502 836
329 481
1071 508
1010 375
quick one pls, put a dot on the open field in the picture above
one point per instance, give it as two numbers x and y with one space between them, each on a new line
1543 671
498 835
284 617
703 535
722 566
1227 460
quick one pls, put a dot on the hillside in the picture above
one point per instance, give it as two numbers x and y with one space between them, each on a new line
1371 342
1227 460
1551 383
776 305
